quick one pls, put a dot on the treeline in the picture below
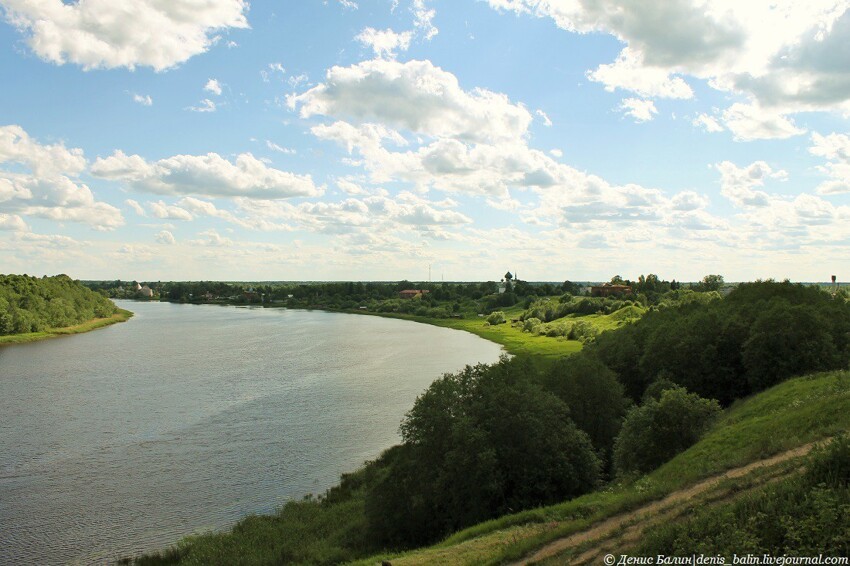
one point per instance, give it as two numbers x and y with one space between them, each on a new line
32 304
761 334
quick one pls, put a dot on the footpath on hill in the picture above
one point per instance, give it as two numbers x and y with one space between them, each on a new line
625 529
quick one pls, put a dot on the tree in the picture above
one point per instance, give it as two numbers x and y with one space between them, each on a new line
659 429
710 283
596 400
477 444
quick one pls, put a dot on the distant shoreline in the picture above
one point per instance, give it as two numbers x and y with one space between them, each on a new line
121 316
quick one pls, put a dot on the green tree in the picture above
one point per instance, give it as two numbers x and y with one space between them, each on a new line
477 444
659 429
596 400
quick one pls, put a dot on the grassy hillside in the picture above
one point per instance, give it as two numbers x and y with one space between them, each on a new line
794 413
121 316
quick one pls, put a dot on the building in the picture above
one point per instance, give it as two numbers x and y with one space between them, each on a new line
412 293
608 289
145 291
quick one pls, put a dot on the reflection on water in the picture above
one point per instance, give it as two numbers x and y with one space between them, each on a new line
186 418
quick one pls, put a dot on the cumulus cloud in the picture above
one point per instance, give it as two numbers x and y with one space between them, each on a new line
640 110
208 174
629 73
835 148
49 188
17 146
752 122
784 57
416 96
738 183
213 86
144 100
12 222
212 238
170 212
385 43
707 123
105 34
166 237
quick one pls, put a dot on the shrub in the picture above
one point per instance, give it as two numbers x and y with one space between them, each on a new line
497 317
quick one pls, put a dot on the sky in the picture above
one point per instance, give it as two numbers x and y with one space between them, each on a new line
390 139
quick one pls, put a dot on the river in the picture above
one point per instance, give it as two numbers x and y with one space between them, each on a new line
186 418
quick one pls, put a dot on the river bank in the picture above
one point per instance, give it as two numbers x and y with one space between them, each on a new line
121 316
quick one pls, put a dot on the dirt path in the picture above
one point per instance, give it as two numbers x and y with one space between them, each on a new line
629 526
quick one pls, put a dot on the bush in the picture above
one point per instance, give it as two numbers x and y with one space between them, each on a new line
497 317
659 429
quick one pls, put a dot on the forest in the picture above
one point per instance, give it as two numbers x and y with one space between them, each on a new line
523 433
33 304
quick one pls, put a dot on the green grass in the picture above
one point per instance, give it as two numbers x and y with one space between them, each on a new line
517 342
121 316
514 340
791 414
804 514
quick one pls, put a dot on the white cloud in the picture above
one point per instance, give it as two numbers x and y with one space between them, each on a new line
12 222
297 80
384 43
170 212
556 153
349 4
49 189
285 150
208 174
629 73
543 116
213 86
751 122
144 100
17 146
414 95
836 149
137 208
738 184
640 110
783 56
105 34
166 237
424 19
707 123
212 238
206 105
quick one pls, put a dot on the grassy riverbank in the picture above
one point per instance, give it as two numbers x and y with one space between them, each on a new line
512 338
121 316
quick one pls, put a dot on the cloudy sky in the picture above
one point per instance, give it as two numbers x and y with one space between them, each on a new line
369 139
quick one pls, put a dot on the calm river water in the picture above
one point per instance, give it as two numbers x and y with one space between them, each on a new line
187 418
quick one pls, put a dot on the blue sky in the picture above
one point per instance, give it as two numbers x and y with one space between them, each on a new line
367 140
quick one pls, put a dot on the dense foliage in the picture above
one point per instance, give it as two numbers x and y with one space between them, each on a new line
32 304
661 428
477 444
761 334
